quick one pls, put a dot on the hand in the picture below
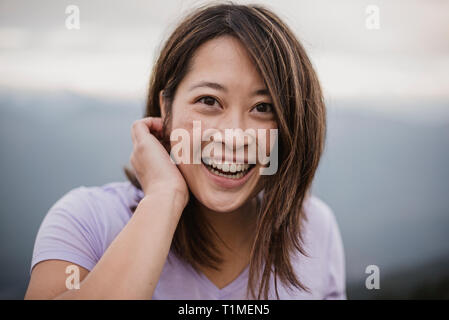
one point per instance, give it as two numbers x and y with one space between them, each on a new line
151 160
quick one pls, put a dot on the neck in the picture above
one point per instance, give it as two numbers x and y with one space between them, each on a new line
235 228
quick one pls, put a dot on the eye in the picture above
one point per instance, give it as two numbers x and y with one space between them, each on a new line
207 100
264 108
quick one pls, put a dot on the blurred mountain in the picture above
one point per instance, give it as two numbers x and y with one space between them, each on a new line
385 176
427 280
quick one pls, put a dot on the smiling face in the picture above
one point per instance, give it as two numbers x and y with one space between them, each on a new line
223 90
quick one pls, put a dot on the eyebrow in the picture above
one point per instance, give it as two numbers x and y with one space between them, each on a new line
217 86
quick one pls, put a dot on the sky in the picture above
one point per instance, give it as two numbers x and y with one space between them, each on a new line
406 58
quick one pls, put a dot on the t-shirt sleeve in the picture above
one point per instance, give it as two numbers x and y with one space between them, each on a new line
68 231
336 275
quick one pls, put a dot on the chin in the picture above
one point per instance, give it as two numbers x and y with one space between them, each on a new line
221 191
221 202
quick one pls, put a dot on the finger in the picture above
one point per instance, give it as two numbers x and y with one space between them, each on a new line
133 136
142 127
155 125
133 132
141 131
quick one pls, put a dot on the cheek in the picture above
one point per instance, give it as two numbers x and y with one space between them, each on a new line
267 138
181 123
181 118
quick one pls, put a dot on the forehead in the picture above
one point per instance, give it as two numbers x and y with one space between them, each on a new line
224 60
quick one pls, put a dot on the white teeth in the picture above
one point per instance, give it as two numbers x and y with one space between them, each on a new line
226 167
231 176
238 170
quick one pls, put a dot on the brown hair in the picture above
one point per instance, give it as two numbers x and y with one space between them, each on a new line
301 118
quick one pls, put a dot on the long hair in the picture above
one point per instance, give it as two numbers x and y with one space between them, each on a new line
301 118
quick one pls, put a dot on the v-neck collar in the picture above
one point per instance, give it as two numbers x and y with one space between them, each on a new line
240 281
237 283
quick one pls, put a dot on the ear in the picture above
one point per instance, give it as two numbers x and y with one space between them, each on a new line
162 103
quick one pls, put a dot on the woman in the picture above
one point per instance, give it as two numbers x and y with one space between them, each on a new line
217 228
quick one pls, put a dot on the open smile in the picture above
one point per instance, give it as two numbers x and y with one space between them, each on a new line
228 175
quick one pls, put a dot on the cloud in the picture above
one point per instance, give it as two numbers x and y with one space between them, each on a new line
113 51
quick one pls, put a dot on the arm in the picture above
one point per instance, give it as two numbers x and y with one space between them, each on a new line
131 266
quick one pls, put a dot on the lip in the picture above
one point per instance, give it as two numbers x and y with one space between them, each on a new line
228 183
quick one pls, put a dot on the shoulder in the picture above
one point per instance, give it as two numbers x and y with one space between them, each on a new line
320 221
322 269
325 245
98 204
120 192
81 224
106 208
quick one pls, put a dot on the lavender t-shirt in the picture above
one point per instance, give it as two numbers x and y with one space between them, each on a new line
80 226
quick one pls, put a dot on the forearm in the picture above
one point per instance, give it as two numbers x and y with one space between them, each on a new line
130 268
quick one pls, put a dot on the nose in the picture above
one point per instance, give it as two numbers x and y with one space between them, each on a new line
237 138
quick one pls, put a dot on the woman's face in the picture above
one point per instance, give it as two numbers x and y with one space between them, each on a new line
223 90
